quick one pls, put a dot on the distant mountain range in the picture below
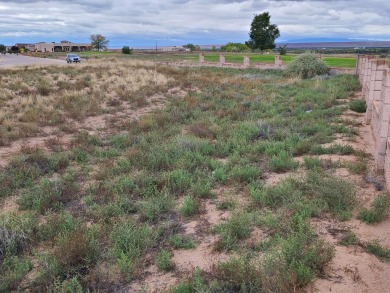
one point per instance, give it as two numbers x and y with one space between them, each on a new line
335 43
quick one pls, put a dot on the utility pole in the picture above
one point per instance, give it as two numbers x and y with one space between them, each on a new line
156 46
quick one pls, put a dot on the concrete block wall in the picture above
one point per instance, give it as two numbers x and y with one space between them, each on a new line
374 76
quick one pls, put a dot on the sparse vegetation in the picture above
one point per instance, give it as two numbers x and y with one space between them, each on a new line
378 212
135 151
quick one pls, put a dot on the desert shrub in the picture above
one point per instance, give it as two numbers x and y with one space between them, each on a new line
282 162
296 259
47 194
195 283
245 173
358 106
339 149
282 194
321 187
202 188
376 249
12 271
70 286
178 241
16 233
240 274
58 224
306 66
378 212
190 206
349 238
154 208
238 227
129 241
312 163
179 180
77 250
163 260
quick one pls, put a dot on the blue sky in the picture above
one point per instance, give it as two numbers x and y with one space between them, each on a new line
177 22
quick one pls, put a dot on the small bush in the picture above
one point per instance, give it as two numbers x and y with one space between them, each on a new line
239 273
376 249
190 206
306 66
163 260
127 50
349 238
156 207
358 106
178 241
12 271
282 162
129 241
378 212
238 227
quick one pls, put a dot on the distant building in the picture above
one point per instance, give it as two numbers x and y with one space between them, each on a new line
29 47
172 49
63 46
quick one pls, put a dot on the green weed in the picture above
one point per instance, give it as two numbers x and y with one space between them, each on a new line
378 212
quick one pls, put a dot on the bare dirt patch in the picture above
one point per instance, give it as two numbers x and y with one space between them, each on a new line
352 269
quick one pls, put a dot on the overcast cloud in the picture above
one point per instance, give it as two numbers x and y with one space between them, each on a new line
175 22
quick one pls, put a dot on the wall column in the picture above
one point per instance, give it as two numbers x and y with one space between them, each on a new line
201 58
221 60
246 62
383 111
278 61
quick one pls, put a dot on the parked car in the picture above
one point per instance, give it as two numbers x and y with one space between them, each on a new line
70 58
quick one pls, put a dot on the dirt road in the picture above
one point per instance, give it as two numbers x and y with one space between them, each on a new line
12 60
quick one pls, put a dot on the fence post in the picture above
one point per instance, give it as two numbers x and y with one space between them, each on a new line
201 58
278 61
246 62
221 59
383 112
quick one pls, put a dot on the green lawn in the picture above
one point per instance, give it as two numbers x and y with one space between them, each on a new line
340 62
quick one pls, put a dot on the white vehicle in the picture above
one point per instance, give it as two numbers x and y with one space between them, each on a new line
70 58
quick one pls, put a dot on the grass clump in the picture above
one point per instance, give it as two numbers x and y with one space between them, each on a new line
129 241
282 162
305 66
376 249
181 242
163 260
349 238
237 228
190 206
378 212
13 270
358 106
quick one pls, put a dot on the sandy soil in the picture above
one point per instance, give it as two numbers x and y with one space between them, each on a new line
352 269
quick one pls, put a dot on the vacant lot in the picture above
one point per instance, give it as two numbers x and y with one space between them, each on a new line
122 175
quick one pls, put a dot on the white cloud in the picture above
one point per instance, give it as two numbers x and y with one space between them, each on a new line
203 21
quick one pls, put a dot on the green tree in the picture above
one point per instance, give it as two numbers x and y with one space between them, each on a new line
15 50
127 50
282 50
262 34
2 48
192 47
99 42
235 47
